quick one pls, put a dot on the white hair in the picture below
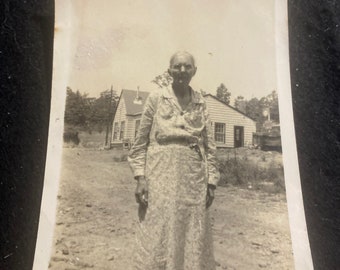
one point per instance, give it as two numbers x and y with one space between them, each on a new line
182 53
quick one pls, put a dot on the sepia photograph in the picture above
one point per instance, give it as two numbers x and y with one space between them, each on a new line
171 140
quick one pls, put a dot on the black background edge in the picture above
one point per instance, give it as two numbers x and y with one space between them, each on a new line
314 45
27 29
25 78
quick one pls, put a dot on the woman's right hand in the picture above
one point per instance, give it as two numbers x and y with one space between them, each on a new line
141 192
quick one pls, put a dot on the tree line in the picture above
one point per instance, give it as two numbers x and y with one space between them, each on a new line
261 110
90 113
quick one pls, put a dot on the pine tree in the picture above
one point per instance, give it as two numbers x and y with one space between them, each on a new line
223 94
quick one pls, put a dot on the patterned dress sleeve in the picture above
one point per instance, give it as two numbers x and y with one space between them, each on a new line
137 153
210 150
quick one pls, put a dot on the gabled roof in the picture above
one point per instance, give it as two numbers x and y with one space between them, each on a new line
129 96
231 107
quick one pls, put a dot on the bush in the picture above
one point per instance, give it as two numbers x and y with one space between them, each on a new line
71 136
275 174
239 170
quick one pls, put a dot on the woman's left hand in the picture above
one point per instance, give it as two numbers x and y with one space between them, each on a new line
210 195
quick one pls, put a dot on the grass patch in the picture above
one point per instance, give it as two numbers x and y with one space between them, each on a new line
93 140
75 136
253 169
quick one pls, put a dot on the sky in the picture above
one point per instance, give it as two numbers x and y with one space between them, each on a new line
127 43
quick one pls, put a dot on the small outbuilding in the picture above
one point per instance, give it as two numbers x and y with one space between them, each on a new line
231 127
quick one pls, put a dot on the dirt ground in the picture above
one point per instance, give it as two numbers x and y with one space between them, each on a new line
97 219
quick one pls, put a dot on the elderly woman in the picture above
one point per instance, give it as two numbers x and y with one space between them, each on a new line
173 160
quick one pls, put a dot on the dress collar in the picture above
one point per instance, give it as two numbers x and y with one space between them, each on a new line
196 97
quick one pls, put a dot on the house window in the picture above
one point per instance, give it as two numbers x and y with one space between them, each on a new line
122 127
220 132
115 131
137 124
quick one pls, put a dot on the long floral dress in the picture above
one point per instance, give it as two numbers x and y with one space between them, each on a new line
175 151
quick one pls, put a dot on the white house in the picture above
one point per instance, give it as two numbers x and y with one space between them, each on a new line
231 127
127 116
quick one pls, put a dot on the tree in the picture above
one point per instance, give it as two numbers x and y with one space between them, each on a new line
223 94
102 110
90 113
241 104
273 101
253 109
77 108
163 80
271 104
99 113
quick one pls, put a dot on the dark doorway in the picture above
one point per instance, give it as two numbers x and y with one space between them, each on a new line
238 136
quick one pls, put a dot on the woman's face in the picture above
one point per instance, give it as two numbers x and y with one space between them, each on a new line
182 69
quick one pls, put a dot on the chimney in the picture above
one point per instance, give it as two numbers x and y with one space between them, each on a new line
138 99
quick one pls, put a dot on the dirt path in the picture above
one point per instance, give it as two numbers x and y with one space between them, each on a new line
97 216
